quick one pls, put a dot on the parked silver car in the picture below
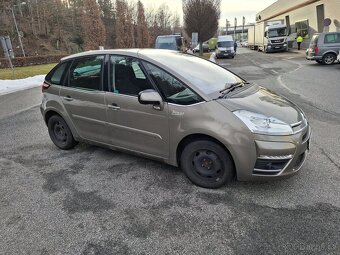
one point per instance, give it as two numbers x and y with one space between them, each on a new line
324 48
176 108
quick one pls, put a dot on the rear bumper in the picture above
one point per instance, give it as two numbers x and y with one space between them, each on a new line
311 55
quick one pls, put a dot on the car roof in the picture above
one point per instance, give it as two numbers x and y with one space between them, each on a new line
129 52
159 57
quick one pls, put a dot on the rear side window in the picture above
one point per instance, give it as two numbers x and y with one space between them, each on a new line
86 73
332 38
57 74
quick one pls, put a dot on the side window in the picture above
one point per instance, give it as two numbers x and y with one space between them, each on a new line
57 74
173 90
331 38
86 73
126 76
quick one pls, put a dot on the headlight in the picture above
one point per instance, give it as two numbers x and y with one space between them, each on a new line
261 124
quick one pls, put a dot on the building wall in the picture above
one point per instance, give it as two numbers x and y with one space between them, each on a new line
301 10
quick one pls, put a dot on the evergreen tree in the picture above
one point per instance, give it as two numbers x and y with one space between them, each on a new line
93 27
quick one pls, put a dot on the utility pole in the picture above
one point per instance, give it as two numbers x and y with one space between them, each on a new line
226 24
16 27
235 25
243 23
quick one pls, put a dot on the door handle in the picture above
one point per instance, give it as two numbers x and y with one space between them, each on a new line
113 106
68 98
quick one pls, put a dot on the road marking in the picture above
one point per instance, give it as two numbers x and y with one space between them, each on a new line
274 71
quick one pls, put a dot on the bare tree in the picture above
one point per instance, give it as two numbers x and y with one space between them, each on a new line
159 21
201 16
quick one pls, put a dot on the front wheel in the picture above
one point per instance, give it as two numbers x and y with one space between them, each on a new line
60 133
207 164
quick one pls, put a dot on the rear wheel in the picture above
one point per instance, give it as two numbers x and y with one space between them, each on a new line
207 164
328 58
60 133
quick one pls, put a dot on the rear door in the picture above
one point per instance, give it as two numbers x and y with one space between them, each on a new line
133 126
84 98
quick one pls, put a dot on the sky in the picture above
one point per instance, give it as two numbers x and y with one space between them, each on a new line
229 8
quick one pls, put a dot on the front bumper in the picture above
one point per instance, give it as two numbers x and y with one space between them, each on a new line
278 156
276 47
224 54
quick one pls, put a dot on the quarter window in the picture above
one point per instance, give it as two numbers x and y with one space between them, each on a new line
86 73
127 76
56 76
172 89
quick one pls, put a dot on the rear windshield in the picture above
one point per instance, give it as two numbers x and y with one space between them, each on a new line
166 43
225 44
314 40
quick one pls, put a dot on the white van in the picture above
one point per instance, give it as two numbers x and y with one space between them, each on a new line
225 47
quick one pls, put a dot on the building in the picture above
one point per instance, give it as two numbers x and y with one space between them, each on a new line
304 17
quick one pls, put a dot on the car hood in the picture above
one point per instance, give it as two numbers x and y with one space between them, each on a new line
265 102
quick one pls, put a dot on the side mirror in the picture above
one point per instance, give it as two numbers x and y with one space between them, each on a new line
150 96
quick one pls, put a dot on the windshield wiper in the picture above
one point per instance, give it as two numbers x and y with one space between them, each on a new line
230 87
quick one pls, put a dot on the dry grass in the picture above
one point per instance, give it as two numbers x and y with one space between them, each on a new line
24 72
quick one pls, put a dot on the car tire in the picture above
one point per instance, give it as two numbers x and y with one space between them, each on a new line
328 59
60 133
207 164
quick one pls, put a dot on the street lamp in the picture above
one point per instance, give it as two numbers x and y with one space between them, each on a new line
16 26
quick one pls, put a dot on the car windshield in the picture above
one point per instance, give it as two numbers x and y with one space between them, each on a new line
277 32
203 74
225 44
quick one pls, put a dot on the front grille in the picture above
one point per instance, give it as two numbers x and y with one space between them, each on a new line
277 41
271 165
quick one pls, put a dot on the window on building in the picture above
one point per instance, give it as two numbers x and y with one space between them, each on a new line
302 28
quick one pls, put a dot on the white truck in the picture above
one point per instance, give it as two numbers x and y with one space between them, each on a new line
268 36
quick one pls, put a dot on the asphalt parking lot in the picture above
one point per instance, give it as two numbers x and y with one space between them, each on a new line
91 200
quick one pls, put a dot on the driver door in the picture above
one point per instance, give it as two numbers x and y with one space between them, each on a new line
133 126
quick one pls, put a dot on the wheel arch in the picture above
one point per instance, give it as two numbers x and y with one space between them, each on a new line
50 112
195 137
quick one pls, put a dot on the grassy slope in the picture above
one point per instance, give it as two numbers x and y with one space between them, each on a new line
24 72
